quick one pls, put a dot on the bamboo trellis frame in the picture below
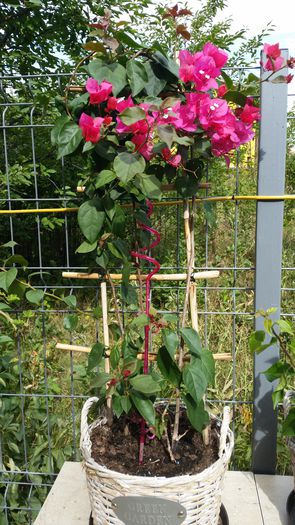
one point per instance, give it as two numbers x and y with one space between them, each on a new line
206 274
226 356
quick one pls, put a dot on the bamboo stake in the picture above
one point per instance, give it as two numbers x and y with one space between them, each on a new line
106 339
206 274
152 356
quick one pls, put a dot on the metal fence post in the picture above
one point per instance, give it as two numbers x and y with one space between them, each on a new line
269 238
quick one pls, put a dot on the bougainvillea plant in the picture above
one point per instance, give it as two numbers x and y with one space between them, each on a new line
143 119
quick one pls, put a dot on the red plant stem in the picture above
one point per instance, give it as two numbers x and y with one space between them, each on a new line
145 257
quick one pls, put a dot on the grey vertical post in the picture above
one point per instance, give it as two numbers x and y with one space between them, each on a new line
269 237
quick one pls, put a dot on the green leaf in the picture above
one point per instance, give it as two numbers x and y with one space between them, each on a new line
288 426
193 341
100 379
255 339
115 356
88 146
9 244
35 296
119 249
118 222
132 115
127 165
140 321
117 405
167 63
114 73
70 322
5 339
90 220
171 341
7 278
57 130
106 150
145 407
69 139
228 81
285 327
187 184
207 365
145 383
268 325
280 79
16 259
86 247
137 75
168 367
149 185
167 134
236 96
196 413
95 356
183 141
154 85
195 381
104 177
71 301
4 307
278 370
125 38
126 404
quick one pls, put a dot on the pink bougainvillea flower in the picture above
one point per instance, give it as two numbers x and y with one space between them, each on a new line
289 78
119 104
226 139
222 90
186 115
173 160
272 50
187 66
90 127
124 103
274 59
112 104
107 121
205 73
144 146
291 63
213 112
98 92
248 113
203 67
219 56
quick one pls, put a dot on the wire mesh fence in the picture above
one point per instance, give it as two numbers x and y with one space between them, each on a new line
42 388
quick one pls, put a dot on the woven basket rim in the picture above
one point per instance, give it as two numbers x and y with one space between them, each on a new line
149 479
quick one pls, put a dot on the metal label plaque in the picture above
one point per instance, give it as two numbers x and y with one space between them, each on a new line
148 510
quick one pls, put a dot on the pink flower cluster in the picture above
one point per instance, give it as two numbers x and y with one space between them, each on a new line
275 61
226 128
202 68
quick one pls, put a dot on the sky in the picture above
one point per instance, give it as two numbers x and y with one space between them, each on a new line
255 14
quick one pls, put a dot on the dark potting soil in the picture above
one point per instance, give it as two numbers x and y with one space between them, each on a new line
117 451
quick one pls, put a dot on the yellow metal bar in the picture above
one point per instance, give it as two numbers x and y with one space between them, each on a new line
226 198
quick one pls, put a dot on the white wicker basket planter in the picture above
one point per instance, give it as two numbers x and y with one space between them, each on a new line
199 494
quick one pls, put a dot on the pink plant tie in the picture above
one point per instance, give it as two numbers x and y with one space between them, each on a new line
153 261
